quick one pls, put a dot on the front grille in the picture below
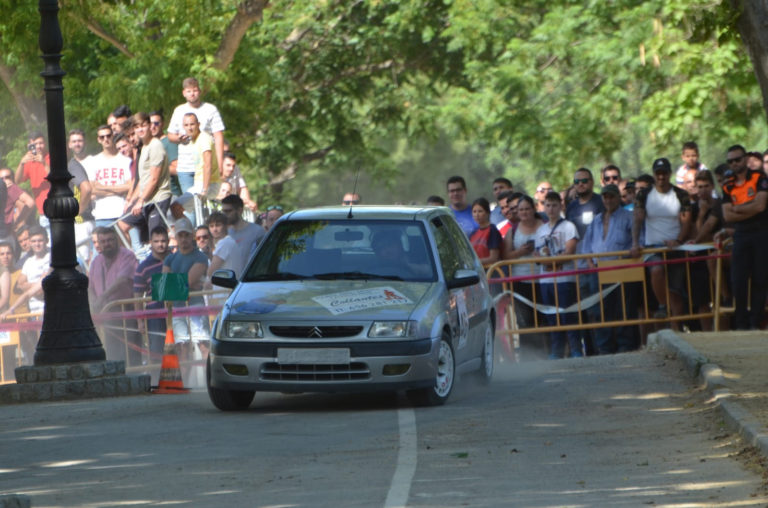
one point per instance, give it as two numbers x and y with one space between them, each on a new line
315 332
354 371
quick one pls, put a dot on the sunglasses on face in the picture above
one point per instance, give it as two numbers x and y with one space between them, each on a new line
345 202
580 180
611 178
202 237
544 189
735 159
280 208
104 136
155 123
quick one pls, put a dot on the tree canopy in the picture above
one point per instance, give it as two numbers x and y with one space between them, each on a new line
407 92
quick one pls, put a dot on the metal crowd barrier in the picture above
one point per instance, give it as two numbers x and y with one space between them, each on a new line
614 271
119 327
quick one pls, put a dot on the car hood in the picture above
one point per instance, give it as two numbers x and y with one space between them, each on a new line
338 299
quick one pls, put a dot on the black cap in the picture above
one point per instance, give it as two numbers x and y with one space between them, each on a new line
662 165
611 188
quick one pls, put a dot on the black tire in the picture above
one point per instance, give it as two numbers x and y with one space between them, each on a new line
445 377
227 400
485 373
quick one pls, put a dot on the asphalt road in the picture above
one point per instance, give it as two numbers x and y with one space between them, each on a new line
627 430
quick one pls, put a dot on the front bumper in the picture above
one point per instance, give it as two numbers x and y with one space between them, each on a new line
373 366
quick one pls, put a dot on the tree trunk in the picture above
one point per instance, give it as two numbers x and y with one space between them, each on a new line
752 23
248 12
32 110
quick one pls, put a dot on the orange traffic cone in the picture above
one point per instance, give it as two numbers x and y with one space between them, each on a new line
170 373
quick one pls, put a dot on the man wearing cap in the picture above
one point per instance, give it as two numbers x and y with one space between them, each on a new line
664 212
192 330
611 231
582 211
744 206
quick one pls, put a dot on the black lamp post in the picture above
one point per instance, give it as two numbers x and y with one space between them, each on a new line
68 334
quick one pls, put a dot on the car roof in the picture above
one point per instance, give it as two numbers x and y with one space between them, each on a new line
368 212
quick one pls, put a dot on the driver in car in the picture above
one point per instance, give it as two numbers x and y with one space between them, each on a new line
392 258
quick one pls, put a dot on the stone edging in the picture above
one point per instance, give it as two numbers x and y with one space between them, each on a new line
711 376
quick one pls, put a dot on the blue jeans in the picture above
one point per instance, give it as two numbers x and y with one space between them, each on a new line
186 181
566 295
621 338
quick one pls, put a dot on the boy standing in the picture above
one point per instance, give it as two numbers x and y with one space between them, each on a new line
558 237
691 161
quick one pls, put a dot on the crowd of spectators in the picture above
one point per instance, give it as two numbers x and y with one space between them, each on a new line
661 209
140 202
153 201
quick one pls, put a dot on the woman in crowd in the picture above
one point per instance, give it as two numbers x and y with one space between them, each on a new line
486 239
520 245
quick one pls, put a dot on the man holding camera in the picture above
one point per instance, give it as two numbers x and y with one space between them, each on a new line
35 166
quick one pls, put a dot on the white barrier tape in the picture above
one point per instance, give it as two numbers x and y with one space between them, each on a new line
586 303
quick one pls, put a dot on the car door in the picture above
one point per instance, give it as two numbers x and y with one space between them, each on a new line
464 306
476 296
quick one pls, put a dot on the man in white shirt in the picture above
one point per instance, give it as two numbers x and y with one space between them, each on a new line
111 179
206 113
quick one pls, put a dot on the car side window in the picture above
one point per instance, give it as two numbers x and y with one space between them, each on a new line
465 251
446 248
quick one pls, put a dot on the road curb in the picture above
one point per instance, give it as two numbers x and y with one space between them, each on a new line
711 376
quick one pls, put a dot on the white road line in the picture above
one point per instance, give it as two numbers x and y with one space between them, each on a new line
397 497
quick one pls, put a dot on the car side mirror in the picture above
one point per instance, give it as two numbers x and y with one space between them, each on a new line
224 278
463 278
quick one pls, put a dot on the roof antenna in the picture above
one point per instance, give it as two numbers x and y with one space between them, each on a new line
354 192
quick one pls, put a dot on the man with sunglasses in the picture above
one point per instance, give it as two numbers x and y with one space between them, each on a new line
351 198
581 212
610 174
111 179
584 209
744 207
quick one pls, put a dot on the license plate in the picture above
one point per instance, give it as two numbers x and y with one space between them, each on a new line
323 356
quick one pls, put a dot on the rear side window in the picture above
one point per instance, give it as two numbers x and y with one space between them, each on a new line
447 249
465 251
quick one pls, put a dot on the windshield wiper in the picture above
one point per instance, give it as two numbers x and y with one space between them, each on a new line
279 276
355 276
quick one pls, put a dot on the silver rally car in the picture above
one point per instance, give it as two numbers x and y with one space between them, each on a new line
352 299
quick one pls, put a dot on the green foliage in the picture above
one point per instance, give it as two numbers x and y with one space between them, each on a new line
410 91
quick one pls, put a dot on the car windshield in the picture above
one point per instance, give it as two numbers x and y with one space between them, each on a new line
344 249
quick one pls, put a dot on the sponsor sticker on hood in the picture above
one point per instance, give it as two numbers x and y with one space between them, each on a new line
362 299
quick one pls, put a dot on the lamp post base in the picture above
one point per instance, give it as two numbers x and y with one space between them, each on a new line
68 334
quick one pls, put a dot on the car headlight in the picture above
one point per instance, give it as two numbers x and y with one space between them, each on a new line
242 330
391 329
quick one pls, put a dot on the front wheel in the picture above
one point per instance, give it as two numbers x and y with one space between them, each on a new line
227 400
437 394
